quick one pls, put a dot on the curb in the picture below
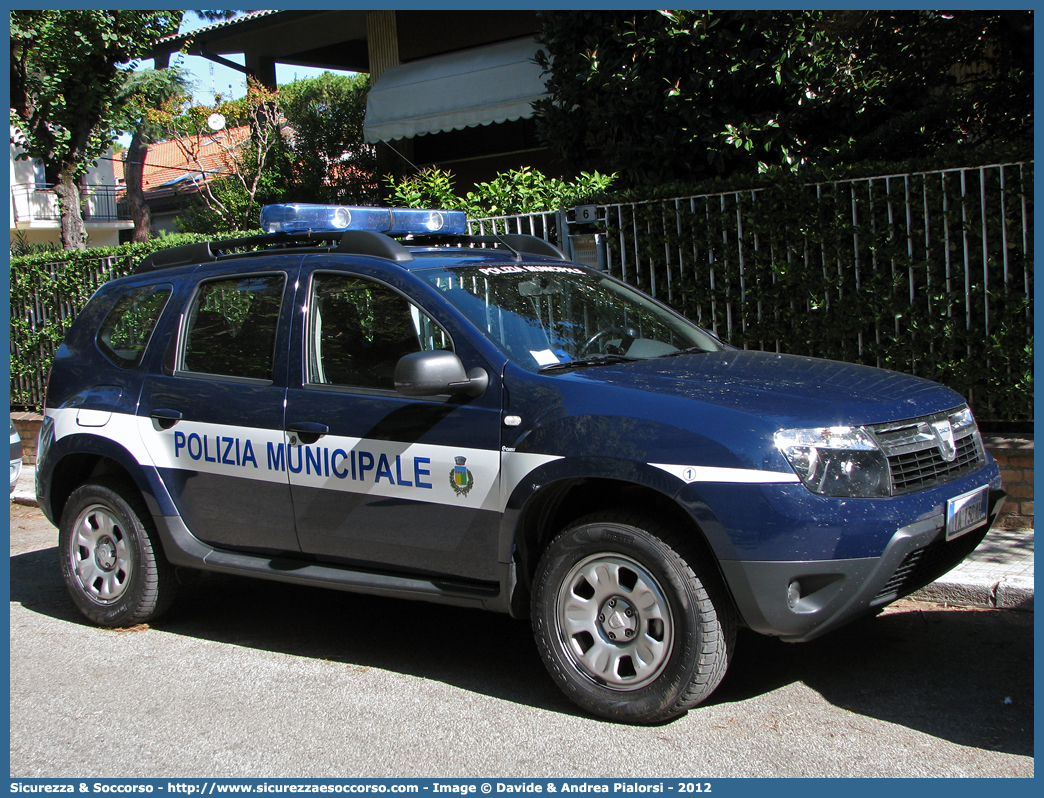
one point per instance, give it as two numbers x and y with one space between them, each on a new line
25 489
972 591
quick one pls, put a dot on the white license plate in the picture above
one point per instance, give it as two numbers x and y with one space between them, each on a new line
966 512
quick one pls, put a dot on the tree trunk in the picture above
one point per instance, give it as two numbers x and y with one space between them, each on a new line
74 234
133 171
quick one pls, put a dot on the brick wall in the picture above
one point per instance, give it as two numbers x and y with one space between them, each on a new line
1014 455
28 427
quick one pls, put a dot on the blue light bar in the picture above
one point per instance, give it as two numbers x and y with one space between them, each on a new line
413 221
299 218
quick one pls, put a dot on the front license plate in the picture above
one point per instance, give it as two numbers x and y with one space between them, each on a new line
965 512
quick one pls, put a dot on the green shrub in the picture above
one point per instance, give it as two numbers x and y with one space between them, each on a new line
517 191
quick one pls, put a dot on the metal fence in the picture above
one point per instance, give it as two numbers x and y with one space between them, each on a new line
44 304
545 225
952 227
954 238
930 273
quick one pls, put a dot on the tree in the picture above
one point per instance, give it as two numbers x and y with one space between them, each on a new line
143 91
660 96
962 78
305 145
664 96
516 191
328 159
66 71
231 191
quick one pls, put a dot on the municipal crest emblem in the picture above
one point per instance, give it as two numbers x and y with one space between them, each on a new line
460 477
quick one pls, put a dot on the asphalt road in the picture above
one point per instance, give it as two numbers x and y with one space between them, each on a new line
246 678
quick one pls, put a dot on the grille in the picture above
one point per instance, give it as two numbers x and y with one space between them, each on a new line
915 457
924 566
906 568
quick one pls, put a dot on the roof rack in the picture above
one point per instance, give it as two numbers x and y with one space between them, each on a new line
348 242
353 242
518 243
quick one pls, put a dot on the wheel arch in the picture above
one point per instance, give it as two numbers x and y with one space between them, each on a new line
78 459
558 503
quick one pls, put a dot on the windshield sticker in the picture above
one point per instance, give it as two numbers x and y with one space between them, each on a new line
545 357
525 269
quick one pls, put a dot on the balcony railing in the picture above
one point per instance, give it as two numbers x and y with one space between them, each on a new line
37 202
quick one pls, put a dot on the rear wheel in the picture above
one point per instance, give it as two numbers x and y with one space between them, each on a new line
626 620
110 556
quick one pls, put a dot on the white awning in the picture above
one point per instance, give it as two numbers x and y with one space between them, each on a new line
450 92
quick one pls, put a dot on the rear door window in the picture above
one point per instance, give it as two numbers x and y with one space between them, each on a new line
232 325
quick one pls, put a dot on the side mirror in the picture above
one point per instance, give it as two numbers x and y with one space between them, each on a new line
432 373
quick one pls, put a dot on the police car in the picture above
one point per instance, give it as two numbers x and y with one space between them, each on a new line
370 400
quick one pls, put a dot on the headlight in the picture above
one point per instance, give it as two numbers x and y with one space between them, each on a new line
836 461
962 419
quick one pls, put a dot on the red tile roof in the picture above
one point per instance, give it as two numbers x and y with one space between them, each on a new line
168 170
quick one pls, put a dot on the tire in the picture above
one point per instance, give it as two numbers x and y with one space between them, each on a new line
629 624
110 556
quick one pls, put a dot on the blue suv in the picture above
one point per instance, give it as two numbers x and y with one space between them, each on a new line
370 400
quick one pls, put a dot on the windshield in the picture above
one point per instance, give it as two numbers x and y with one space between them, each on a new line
548 317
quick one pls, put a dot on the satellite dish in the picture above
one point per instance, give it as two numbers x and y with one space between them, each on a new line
216 122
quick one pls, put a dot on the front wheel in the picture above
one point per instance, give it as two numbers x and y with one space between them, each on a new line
627 624
111 561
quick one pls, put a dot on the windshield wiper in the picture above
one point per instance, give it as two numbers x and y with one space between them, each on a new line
692 350
601 360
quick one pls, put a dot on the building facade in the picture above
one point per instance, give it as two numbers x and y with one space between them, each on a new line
34 205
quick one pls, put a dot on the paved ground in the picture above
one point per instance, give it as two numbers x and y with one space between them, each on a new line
247 678
999 573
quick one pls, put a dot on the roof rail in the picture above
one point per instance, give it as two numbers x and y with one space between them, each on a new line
532 245
353 242
518 243
367 242
349 242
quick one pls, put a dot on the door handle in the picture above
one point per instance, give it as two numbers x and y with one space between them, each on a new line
163 418
307 432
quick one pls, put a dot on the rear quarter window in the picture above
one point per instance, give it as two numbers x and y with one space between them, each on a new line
124 335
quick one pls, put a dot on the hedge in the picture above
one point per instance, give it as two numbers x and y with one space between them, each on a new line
48 290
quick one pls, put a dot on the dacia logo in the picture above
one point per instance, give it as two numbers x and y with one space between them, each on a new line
944 438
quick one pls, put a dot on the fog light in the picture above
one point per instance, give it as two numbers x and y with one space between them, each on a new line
793 594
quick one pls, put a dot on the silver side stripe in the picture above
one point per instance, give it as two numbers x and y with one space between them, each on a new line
745 476
458 476
450 475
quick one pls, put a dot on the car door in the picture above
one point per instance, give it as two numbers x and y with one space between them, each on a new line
211 415
381 480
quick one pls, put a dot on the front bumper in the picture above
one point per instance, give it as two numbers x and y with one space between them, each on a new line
801 600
